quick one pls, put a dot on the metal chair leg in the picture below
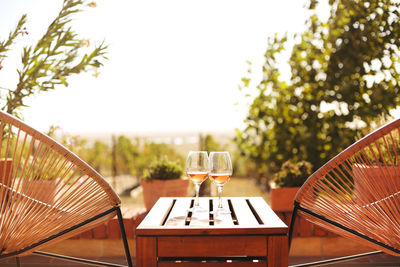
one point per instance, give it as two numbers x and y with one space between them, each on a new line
124 239
291 227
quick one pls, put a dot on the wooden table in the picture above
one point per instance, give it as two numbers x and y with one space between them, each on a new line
252 235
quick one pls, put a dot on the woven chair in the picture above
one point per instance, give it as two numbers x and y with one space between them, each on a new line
357 193
47 193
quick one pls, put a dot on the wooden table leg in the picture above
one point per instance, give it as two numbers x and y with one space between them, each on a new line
146 251
278 251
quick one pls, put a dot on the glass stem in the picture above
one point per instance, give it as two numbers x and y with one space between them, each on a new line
196 201
219 196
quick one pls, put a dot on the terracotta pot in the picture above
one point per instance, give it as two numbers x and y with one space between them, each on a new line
154 189
372 183
6 171
282 198
42 190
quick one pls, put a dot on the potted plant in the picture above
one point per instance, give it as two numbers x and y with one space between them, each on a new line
377 166
380 170
287 182
43 185
163 179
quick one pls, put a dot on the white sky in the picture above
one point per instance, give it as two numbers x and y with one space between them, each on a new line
173 65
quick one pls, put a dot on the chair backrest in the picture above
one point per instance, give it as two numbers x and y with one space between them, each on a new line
357 193
44 188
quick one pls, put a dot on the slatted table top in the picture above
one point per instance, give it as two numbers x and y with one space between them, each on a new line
249 216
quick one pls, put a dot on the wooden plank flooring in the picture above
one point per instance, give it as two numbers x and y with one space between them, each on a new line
372 261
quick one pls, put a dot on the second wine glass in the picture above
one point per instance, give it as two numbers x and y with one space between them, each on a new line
197 167
220 172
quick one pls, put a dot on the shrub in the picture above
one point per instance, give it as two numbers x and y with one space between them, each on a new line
163 170
293 174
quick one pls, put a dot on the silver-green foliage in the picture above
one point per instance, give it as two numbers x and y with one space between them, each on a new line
56 56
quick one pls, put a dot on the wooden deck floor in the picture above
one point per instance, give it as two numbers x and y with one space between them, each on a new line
39 261
382 260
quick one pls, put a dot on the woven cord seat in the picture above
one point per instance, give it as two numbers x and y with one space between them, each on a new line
47 193
357 193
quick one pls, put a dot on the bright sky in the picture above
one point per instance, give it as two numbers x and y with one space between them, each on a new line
173 65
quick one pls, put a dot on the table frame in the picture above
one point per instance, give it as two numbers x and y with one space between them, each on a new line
253 235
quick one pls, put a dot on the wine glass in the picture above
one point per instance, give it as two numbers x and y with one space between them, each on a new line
220 172
197 166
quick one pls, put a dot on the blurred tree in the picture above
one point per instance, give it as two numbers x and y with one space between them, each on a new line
98 156
51 61
127 154
210 144
151 152
133 157
344 73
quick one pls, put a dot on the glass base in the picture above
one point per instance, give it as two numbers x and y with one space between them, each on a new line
220 211
197 209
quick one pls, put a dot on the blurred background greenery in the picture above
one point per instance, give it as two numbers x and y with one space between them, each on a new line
344 79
